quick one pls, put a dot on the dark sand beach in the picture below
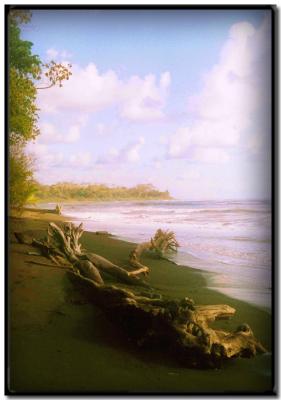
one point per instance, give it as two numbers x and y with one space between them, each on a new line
60 343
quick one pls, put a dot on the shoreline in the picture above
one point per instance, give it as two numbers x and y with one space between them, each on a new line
216 278
207 274
70 331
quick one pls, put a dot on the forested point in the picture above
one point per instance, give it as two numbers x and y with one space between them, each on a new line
97 192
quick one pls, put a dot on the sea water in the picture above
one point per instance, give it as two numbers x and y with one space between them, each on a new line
229 240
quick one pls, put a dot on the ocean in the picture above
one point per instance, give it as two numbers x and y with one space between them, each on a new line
229 240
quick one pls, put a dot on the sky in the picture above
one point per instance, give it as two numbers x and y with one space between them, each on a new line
179 99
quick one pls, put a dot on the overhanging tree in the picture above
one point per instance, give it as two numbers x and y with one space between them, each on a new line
25 69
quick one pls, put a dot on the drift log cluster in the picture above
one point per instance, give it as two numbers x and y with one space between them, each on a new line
177 326
64 242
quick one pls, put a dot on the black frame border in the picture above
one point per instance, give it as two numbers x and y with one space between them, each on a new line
274 187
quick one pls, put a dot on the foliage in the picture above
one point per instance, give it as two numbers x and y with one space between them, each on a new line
18 16
22 108
24 70
66 191
22 187
164 242
24 67
19 51
56 73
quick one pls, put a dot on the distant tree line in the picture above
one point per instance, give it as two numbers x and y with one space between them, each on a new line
27 74
66 191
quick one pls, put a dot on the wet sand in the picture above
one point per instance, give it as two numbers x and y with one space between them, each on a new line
59 343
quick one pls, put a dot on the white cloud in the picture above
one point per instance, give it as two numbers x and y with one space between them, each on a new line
179 142
232 108
157 164
189 174
65 55
100 129
81 159
165 79
50 134
210 155
56 55
111 126
143 99
129 153
44 157
89 91
51 53
73 134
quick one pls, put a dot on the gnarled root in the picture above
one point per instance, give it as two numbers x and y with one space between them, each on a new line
178 326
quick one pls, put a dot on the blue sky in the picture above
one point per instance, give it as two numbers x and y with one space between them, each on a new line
179 99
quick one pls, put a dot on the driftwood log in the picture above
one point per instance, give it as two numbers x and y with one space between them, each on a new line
179 328
58 209
176 326
162 243
64 242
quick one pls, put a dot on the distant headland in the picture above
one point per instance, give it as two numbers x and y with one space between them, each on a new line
66 191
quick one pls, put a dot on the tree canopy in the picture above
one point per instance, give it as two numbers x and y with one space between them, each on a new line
24 70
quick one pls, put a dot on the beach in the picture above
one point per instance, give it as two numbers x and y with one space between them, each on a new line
60 343
229 239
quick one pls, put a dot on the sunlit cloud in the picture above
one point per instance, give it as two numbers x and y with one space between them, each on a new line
130 153
227 112
90 91
54 54
52 135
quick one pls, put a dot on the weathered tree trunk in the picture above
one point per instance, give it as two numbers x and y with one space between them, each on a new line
64 242
212 312
135 258
87 269
119 273
178 327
